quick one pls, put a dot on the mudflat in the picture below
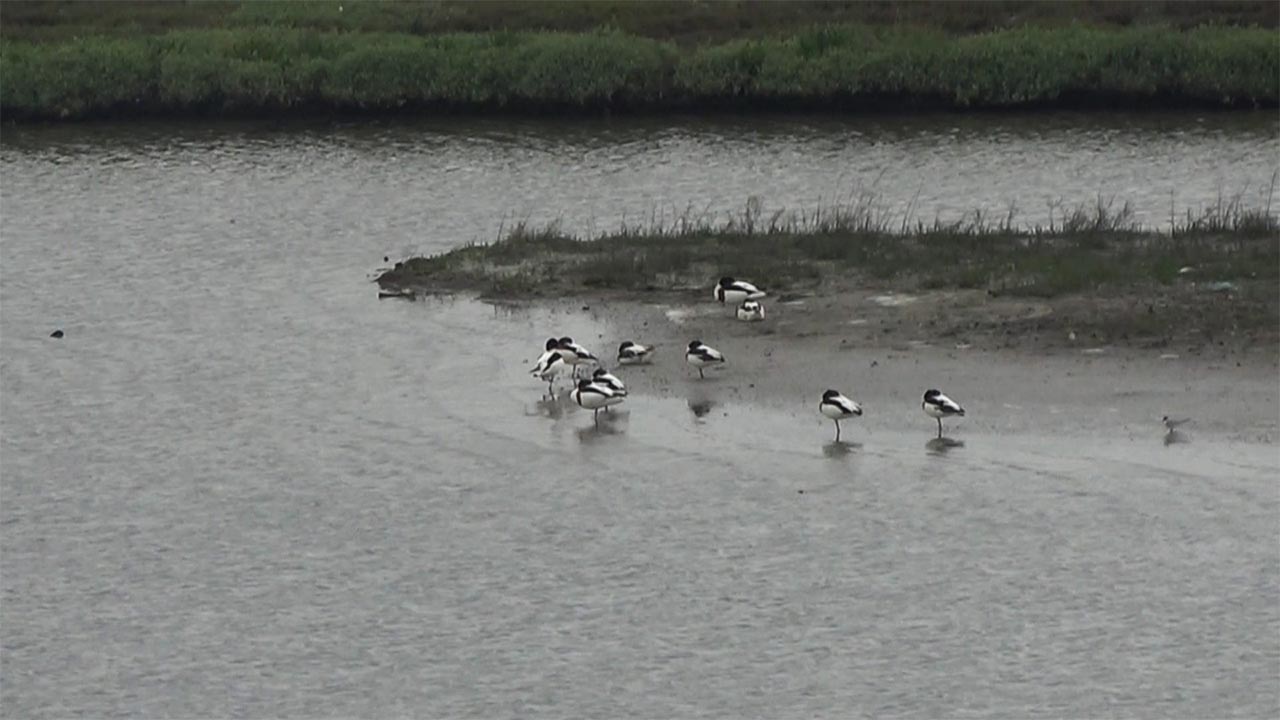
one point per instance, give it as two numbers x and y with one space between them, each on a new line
1016 365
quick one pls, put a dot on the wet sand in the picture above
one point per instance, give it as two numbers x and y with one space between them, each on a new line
878 352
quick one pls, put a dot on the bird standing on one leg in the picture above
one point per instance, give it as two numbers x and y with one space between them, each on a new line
838 407
937 406
594 397
700 355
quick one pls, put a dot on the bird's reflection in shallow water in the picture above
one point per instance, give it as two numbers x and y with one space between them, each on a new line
839 449
942 445
1176 437
701 402
613 423
701 408
550 406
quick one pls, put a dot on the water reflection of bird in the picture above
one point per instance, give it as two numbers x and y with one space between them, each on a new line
937 406
594 432
549 406
940 445
837 448
701 407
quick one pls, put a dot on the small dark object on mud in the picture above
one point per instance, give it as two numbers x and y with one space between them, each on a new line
55 334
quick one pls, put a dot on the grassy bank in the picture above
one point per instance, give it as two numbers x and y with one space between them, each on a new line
831 66
680 21
1215 279
1089 249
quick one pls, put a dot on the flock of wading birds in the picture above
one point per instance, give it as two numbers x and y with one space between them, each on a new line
603 389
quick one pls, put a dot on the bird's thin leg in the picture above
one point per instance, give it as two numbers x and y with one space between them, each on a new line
939 427
837 422
596 416
700 376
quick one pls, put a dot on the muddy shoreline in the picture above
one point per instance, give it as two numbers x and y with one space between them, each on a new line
885 357
1168 323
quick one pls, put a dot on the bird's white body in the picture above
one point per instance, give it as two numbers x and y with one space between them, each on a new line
837 407
594 397
750 311
1172 424
609 380
630 353
700 356
940 406
735 292
573 353
550 368
937 406
545 360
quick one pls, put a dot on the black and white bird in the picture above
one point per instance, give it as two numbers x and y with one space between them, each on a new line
750 311
573 353
594 397
700 356
1171 424
545 357
549 369
630 353
937 406
838 407
736 292
609 380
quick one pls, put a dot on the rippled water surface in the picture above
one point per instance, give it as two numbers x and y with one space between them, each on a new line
242 486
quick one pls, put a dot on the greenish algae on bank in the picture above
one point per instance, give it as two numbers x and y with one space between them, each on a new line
839 67
1097 271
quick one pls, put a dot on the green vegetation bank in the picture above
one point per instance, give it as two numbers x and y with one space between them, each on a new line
226 58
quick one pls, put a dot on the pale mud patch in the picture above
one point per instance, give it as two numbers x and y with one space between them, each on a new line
889 357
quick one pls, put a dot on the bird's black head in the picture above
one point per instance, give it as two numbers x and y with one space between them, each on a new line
726 281
552 343
599 372
566 340
829 394
931 394
625 344
695 344
583 384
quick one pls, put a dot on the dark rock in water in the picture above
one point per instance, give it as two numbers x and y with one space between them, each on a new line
55 334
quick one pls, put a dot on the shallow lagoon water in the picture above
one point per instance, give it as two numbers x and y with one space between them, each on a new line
241 485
